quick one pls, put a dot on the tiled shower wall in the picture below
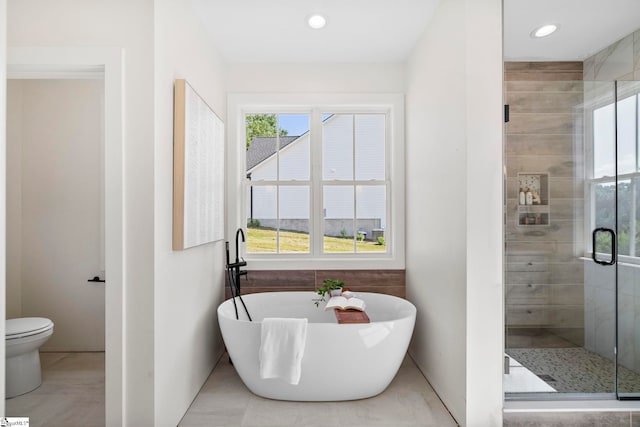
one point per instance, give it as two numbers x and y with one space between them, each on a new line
619 61
544 276
390 282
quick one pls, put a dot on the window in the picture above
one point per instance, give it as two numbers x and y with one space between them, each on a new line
278 170
318 181
603 182
354 184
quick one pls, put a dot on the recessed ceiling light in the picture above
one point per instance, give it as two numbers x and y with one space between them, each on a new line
317 21
544 31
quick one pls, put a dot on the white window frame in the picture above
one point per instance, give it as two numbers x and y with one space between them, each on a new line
391 104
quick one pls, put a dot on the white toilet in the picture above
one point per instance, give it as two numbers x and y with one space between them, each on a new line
24 336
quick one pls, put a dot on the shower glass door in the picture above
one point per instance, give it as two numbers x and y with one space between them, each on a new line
572 240
627 117
604 192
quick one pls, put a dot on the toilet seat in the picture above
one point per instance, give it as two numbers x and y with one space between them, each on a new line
26 326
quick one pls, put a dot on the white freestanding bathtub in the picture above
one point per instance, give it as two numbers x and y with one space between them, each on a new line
341 361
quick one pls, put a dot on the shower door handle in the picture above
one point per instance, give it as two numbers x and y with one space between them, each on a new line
613 246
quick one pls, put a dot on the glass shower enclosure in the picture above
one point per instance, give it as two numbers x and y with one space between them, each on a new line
572 235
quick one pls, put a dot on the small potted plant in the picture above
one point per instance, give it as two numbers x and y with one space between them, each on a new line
331 287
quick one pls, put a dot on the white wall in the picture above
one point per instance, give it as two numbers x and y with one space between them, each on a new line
54 204
485 297
128 25
315 78
14 193
454 158
436 154
189 283
3 89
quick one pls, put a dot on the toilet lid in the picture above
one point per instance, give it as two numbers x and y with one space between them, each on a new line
25 326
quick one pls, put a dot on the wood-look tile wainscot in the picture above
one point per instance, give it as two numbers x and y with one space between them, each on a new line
391 282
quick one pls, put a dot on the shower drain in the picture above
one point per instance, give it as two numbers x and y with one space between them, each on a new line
545 377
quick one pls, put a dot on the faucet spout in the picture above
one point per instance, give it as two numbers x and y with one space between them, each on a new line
234 273
240 232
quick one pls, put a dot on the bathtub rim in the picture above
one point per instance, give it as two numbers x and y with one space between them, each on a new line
412 310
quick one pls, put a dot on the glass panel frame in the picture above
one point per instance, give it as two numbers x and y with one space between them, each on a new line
628 275
543 277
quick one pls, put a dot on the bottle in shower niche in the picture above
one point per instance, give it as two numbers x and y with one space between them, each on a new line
528 197
522 197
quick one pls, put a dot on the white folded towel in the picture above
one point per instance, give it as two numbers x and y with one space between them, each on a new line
282 347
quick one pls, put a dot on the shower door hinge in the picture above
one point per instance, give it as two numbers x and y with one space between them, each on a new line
506 113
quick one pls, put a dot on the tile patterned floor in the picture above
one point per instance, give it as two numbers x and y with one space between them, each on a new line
71 394
575 370
409 401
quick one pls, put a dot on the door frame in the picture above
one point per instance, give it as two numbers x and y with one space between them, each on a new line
63 62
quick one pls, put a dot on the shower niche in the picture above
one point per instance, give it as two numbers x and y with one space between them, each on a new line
532 199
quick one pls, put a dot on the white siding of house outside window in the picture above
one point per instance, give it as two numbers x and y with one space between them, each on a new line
265 202
294 163
294 202
338 202
338 148
371 203
370 147
294 160
266 170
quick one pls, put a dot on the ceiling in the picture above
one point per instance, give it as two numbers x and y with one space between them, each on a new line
277 31
586 27
387 30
